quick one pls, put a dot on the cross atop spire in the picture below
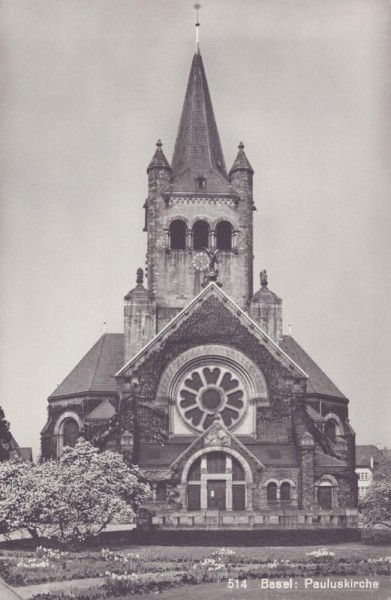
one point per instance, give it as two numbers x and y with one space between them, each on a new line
197 7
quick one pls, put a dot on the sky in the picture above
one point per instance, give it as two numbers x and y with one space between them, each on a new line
88 86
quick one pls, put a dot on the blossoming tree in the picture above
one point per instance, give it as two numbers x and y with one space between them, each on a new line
70 499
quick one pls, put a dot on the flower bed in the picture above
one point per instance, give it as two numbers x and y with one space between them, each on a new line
128 573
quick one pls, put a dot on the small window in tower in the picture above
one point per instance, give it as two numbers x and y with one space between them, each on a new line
331 430
224 235
178 235
201 182
200 235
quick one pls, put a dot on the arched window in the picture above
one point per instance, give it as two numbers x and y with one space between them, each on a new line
195 471
161 491
285 492
70 433
331 430
216 462
237 471
178 235
224 235
200 235
271 492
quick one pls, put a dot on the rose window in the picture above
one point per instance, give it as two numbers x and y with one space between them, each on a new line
207 391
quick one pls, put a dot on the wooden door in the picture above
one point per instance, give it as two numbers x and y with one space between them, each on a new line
216 494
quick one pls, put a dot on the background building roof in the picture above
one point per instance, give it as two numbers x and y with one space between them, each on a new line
365 453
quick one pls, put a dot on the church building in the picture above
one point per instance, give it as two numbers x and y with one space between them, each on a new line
230 421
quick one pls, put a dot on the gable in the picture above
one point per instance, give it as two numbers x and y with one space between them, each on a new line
216 437
212 317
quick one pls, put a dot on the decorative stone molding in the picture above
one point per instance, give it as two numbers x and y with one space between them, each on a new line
216 436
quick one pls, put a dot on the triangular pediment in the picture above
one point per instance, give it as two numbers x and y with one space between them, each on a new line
217 437
219 317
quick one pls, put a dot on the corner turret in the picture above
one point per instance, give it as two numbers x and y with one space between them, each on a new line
159 171
241 175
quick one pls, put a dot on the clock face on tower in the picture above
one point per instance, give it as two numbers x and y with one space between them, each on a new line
200 261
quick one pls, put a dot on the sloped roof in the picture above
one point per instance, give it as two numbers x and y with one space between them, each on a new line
318 382
282 455
95 372
159 454
241 162
103 412
198 149
159 161
325 460
364 454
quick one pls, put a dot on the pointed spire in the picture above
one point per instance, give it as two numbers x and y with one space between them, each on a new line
159 161
198 156
241 161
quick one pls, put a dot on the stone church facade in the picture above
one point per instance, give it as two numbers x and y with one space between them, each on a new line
231 422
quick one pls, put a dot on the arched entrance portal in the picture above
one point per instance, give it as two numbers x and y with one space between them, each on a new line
216 479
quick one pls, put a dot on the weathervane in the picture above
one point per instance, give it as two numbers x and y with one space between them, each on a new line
197 7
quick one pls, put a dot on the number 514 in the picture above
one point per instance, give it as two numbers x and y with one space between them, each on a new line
236 583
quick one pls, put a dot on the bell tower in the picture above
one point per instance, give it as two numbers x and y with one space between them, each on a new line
195 204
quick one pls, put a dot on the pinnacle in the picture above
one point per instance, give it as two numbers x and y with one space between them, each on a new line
241 162
159 160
